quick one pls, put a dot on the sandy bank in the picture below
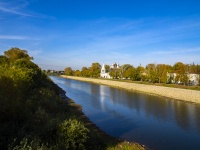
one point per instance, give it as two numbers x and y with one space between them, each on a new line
174 93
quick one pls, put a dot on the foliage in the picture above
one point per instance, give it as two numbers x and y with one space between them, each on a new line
68 71
107 67
15 53
72 135
126 146
85 72
93 71
31 108
153 73
3 60
114 73
129 73
179 68
123 69
77 73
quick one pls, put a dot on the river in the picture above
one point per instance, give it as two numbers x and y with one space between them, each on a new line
157 122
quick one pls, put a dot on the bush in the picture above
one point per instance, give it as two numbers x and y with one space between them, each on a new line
72 135
26 144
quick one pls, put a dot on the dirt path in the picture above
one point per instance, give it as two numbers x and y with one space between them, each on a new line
174 93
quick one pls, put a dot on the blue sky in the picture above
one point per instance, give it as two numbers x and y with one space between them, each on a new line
76 33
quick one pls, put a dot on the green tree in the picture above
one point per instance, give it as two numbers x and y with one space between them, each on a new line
95 70
152 73
166 69
15 53
77 73
28 99
123 69
114 71
162 70
181 70
3 60
68 71
107 67
140 73
85 72
129 73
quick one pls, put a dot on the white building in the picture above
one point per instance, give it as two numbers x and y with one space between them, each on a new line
105 74
171 77
193 79
115 65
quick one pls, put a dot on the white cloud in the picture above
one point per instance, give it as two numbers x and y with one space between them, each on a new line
13 37
177 51
16 37
20 8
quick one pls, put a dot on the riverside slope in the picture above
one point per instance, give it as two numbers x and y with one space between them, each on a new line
173 93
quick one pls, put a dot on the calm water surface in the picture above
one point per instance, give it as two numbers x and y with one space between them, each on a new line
157 122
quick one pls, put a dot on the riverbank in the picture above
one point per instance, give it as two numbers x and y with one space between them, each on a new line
169 92
97 139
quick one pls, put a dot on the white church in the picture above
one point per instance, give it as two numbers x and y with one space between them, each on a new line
105 74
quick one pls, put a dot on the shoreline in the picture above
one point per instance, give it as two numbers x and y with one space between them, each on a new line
97 137
186 95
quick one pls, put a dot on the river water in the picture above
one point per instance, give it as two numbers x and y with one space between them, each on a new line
157 122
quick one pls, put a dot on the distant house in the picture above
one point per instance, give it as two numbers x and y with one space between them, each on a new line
171 77
105 74
193 79
114 65
52 71
61 72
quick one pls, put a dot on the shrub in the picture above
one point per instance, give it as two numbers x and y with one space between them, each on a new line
72 135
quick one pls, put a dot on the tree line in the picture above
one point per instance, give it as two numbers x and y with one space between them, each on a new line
155 73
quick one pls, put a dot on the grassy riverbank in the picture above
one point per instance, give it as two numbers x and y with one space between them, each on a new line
169 92
98 139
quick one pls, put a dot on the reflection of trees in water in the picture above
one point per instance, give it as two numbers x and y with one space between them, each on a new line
94 89
187 116
78 85
196 116
95 96
151 105
122 97
184 114
135 101
114 95
67 82
181 114
156 107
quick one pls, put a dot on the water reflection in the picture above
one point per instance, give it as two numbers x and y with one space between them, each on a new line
186 116
157 122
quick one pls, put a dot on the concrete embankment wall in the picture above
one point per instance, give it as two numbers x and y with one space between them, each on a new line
173 93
